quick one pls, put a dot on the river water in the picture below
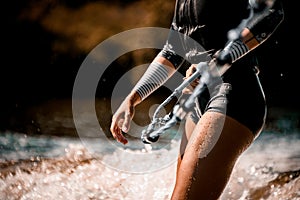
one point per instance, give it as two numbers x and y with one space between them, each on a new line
51 167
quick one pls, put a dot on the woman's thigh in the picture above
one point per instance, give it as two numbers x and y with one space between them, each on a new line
210 152
189 127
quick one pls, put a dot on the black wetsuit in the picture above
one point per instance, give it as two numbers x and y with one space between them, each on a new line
208 23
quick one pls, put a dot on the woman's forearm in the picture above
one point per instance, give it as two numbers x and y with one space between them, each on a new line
158 72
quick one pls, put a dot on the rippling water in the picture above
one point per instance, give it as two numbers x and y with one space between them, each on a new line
40 167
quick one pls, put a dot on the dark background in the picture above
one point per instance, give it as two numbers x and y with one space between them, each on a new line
45 42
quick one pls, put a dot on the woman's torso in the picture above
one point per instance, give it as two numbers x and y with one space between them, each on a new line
208 21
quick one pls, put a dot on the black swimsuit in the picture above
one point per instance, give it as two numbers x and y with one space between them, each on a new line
240 95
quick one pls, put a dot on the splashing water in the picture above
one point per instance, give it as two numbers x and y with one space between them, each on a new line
52 168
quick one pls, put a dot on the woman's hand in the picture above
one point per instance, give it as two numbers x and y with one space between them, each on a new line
192 86
121 120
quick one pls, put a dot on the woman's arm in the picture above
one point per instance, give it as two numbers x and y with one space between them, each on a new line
264 19
155 76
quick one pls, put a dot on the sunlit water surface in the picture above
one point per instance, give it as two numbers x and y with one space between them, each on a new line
33 167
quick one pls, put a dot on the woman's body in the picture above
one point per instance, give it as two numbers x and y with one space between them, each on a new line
232 115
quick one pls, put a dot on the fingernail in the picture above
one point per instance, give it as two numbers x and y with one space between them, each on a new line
124 129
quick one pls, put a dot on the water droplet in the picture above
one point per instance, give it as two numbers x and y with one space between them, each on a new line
240 180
